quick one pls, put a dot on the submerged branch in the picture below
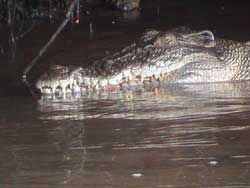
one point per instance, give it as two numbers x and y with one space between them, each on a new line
53 37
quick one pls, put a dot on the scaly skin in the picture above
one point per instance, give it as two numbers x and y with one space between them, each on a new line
175 56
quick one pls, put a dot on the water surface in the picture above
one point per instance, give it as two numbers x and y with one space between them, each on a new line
177 136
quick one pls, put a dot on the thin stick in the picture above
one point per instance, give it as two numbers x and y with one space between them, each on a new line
41 52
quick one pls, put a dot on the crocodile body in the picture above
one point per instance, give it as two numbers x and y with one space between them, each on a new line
175 56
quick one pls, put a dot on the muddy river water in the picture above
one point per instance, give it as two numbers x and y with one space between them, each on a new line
176 136
184 136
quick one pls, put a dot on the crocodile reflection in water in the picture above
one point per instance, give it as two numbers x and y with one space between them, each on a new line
159 57
175 101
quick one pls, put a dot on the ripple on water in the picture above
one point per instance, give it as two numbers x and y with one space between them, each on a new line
194 135
190 102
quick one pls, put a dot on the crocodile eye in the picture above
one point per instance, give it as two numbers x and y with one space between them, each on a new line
164 40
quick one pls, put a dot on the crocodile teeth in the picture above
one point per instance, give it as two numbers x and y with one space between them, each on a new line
94 81
127 75
103 82
112 81
46 90
76 88
97 87
86 80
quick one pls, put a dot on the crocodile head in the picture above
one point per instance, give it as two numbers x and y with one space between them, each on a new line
58 79
153 58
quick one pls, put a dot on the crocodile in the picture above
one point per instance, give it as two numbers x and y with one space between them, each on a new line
179 55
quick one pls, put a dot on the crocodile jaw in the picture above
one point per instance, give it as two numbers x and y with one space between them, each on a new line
130 76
